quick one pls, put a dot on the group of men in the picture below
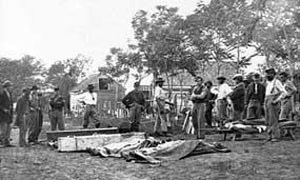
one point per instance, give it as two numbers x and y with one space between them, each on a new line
271 97
29 114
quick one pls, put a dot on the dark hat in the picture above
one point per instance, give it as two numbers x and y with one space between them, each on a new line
90 86
56 88
238 76
221 78
256 76
34 87
136 84
7 83
270 71
285 74
198 77
159 79
25 90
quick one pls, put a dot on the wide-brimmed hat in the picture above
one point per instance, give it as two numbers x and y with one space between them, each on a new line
91 86
198 77
136 84
238 76
270 71
159 79
7 83
221 78
34 87
56 88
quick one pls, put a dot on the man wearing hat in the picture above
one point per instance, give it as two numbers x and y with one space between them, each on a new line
6 113
287 103
159 107
22 111
135 102
36 116
254 98
199 98
237 97
56 111
223 90
275 92
89 99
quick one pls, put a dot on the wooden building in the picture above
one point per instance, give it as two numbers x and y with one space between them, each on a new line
109 94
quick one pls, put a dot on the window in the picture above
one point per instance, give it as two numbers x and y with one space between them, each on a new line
103 84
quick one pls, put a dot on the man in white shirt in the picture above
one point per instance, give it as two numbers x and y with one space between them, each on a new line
89 99
159 106
223 90
275 92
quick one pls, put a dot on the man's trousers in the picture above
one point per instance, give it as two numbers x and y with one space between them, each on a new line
135 117
272 115
56 120
285 109
5 130
90 112
35 124
198 118
254 109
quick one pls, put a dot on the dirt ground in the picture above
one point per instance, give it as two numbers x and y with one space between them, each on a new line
249 159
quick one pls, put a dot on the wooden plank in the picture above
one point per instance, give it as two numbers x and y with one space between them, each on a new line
81 143
54 135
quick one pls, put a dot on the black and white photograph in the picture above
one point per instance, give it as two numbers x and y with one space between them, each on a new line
149 89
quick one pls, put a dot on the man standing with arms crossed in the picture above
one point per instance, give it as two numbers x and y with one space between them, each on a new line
135 102
275 92
6 113
198 98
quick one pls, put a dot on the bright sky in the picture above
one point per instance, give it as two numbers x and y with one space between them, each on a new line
53 30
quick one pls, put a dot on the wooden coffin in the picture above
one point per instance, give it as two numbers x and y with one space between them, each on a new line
54 135
81 143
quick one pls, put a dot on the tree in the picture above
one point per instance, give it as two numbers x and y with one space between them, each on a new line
22 72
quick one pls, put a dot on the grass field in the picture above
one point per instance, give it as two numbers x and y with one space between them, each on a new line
249 159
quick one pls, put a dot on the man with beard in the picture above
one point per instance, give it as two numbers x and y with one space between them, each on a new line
198 97
275 92
237 97
254 99
287 103
6 113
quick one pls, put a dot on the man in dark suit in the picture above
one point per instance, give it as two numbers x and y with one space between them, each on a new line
255 97
6 112
237 97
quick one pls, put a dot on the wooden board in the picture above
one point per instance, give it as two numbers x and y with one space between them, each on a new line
54 135
80 143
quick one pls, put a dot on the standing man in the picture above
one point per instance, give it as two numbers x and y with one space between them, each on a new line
22 110
275 92
36 116
209 105
198 97
135 102
89 99
254 98
159 106
237 97
56 111
287 103
223 91
6 113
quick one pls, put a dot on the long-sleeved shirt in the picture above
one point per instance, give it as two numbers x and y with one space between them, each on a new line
223 91
88 98
275 88
159 93
134 97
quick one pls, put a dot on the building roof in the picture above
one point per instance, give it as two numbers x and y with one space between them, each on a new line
94 79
